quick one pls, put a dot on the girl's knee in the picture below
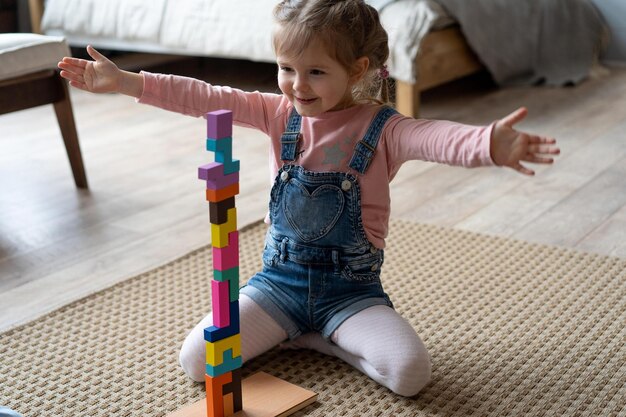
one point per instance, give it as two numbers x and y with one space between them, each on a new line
192 356
193 364
413 376
410 373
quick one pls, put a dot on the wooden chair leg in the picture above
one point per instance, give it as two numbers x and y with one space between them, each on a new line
407 99
65 116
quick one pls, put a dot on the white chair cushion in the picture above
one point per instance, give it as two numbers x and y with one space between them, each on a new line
25 53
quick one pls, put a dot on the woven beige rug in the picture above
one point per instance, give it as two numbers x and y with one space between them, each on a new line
514 329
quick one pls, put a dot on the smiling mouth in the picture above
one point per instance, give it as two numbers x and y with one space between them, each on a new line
305 100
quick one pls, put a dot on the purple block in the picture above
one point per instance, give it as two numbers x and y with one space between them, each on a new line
212 171
222 182
219 124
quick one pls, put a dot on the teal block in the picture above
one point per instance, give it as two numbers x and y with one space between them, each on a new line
231 167
219 145
223 149
229 364
232 276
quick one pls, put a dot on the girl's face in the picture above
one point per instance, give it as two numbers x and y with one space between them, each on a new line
314 81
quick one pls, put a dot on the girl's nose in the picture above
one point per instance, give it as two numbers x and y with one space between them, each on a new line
300 83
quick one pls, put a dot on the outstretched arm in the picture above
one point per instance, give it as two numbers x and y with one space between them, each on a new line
100 75
510 147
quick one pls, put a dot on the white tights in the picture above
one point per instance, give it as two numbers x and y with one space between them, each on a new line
377 341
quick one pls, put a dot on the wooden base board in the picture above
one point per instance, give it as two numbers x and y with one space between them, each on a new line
264 395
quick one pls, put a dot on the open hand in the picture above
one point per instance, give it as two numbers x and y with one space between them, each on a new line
97 76
510 148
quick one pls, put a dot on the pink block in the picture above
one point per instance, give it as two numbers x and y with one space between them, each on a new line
227 257
219 124
220 301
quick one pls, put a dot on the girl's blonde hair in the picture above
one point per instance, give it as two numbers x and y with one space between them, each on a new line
348 29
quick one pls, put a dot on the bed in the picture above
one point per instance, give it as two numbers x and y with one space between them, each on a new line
427 38
434 47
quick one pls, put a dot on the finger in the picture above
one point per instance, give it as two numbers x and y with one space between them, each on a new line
515 117
541 140
538 159
95 54
82 63
79 85
543 149
71 68
72 77
521 168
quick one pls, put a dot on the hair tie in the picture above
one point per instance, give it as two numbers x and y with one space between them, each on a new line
383 72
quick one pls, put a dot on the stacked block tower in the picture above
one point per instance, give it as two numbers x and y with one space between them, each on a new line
223 341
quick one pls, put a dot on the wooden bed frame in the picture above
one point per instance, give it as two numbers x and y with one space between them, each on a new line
444 56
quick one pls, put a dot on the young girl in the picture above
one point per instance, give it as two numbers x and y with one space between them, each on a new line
334 150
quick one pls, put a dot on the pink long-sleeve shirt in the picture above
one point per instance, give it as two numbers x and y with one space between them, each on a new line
328 140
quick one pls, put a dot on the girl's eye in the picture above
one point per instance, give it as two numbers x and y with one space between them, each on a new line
286 69
317 72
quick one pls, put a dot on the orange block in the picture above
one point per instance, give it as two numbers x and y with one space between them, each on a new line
229 407
214 396
215 196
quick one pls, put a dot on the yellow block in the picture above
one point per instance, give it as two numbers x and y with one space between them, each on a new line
219 232
215 350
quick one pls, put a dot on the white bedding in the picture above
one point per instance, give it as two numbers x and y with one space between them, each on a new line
218 28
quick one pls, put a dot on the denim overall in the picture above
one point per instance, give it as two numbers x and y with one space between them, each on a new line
318 266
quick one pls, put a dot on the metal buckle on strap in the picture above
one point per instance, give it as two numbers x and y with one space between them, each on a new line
367 145
285 135
289 146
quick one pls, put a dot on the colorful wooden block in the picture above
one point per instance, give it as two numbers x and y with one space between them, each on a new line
224 145
219 124
212 171
231 166
234 387
214 393
214 334
223 149
229 363
226 397
264 395
222 182
218 211
223 341
220 232
232 276
229 406
220 301
216 351
227 257
222 194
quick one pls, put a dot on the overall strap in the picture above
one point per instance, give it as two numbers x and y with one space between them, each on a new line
289 140
366 147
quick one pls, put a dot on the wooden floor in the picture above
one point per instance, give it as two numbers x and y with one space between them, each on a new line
146 207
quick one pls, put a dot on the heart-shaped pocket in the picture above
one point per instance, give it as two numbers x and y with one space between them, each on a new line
312 215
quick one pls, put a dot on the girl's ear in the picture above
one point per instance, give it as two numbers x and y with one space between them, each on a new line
359 69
